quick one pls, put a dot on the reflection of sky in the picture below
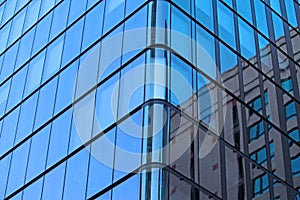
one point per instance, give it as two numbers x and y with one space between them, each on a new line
113 4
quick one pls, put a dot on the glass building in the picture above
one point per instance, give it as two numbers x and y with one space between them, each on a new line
149 99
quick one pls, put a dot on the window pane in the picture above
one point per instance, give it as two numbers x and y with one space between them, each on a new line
26 118
76 9
204 13
59 138
72 42
8 131
45 105
17 87
17 168
25 48
34 74
53 58
53 184
76 176
59 20
114 12
100 173
32 13
93 25
38 152
65 88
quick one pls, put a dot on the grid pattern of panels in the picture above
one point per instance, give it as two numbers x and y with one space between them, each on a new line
253 117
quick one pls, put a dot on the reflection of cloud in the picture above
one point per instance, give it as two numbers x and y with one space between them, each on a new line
114 4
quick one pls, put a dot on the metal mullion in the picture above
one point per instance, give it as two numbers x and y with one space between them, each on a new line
280 106
220 105
264 109
248 185
293 71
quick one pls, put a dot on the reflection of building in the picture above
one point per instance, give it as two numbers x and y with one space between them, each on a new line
201 138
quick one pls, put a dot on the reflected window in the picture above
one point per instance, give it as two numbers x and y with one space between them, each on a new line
294 133
256 131
290 110
287 84
260 185
295 161
259 156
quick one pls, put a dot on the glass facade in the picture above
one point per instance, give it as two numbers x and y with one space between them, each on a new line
149 99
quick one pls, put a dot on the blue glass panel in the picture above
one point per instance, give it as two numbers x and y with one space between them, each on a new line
76 9
45 105
8 64
37 155
131 86
75 141
93 25
104 104
110 58
59 20
32 13
9 10
134 31
244 9
291 15
184 71
76 176
114 13
16 27
183 4
204 13
278 27
53 58
4 167
131 186
132 5
100 173
72 42
91 3
46 6
42 33
246 40
228 59
4 91
34 74
17 168
59 138
4 36
26 118
65 88
206 44
34 190
53 184
8 131
25 48
20 4
128 132
17 87
182 24
275 4
226 25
